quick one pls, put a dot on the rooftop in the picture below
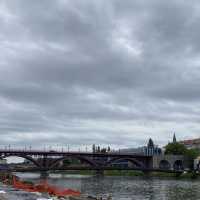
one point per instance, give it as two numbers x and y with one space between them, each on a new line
191 142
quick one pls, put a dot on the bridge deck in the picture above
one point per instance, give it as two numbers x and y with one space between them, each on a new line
98 168
71 153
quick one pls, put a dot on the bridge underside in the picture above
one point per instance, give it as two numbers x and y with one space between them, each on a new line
96 169
53 161
85 162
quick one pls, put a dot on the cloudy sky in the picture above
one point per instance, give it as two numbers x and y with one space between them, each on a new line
106 72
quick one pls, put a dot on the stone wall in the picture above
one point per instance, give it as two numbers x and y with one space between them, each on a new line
169 162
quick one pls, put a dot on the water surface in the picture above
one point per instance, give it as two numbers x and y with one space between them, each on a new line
121 188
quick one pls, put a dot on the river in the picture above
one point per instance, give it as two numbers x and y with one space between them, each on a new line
121 188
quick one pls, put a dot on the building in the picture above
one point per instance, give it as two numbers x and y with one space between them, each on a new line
139 150
195 143
151 149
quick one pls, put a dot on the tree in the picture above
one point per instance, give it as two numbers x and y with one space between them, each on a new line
175 149
180 149
192 153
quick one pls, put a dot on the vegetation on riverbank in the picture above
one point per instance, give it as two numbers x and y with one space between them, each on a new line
128 173
123 173
188 175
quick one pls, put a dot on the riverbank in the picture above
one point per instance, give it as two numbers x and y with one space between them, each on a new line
187 175
125 173
50 191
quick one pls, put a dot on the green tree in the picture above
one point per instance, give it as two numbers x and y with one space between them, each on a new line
192 153
175 149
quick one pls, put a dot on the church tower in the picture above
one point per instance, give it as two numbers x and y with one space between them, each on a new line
174 138
150 143
151 149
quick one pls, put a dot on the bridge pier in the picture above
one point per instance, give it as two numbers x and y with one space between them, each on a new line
44 174
44 161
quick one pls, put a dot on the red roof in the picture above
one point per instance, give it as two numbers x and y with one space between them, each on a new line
191 142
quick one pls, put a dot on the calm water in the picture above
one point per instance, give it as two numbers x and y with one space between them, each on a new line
121 188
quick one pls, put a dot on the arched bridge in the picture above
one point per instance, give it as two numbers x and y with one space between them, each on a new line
50 160
56 160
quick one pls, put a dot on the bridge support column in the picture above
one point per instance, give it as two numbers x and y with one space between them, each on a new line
44 161
44 174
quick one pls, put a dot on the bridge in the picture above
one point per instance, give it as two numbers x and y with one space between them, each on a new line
50 161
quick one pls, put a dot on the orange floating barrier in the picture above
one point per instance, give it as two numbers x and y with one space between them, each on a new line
44 187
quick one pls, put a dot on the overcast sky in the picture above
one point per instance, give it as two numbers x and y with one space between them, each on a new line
109 72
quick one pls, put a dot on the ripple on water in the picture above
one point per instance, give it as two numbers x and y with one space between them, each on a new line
121 188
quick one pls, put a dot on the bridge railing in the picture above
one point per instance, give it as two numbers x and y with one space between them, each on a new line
35 151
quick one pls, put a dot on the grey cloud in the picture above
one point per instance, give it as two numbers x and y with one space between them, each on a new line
104 72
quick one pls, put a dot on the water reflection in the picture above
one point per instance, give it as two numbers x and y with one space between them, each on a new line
184 191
